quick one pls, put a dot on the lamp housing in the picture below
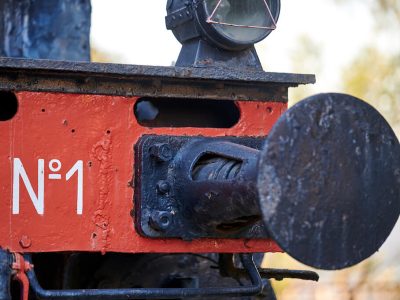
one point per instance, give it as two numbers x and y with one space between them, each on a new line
215 31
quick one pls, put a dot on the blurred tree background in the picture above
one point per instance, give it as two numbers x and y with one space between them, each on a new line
374 74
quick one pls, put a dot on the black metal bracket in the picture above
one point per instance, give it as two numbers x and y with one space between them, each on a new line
228 269
152 293
159 211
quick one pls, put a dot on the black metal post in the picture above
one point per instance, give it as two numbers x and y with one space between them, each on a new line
42 29
5 275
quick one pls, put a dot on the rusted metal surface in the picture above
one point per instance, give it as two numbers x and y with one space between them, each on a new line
131 80
329 181
100 132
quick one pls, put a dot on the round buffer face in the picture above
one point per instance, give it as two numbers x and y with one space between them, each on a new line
329 181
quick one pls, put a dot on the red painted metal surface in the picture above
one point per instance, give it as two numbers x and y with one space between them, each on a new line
100 131
20 266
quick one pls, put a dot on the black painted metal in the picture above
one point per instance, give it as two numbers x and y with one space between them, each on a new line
5 275
152 293
202 177
192 191
201 54
329 181
202 45
45 29
280 274
227 268
131 80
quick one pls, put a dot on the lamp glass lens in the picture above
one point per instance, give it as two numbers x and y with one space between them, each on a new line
231 17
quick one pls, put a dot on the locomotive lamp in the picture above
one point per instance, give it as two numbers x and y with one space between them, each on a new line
221 32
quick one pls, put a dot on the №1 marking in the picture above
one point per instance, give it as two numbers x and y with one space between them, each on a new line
38 199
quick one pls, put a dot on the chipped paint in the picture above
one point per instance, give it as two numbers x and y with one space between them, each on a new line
101 131
102 152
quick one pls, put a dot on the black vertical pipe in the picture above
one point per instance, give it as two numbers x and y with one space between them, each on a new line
43 29
5 275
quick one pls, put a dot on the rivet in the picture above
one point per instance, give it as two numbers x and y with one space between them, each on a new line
25 242
160 220
163 186
162 152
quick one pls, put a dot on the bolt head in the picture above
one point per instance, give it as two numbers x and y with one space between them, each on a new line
25 242
162 152
163 187
160 220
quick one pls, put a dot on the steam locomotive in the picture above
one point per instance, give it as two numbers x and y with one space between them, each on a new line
142 182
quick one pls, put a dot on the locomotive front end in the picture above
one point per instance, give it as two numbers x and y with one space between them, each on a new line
142 182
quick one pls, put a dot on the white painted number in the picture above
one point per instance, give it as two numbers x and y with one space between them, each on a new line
38 199
78 167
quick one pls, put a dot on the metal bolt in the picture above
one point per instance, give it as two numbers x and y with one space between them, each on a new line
160 220
163 186
25 242
162 152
